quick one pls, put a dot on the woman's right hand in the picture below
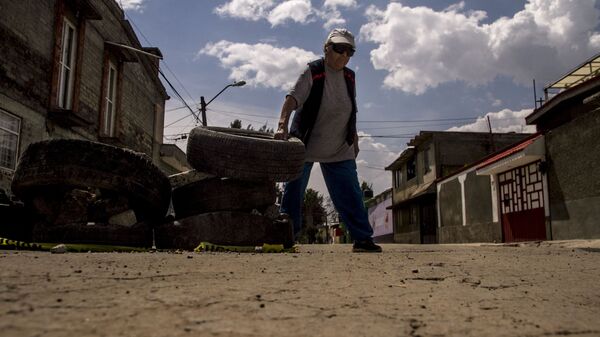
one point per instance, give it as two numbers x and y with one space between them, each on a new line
281 133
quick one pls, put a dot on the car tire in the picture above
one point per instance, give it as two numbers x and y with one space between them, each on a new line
244 154
222 194
62 164
223 228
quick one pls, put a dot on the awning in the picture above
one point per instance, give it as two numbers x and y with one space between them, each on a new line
428 188
530 150
581 73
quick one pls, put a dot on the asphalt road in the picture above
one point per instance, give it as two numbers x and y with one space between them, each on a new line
535 289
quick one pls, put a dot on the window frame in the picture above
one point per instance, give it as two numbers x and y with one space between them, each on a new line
108 121
426 162
109 99
16 133
65 94
411 168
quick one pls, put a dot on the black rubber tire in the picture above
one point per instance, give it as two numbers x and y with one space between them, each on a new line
244 154
222 194
223 228
138 235
71 163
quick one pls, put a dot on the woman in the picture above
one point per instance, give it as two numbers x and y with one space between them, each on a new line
323 99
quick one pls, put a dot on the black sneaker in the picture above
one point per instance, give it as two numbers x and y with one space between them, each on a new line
366 246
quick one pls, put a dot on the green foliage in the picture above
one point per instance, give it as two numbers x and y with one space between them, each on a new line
237 124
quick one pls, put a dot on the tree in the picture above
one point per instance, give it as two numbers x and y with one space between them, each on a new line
314 214
237 124
364 186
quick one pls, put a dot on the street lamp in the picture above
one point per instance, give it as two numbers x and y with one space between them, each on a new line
204 104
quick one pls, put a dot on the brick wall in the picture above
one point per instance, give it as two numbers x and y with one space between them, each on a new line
27 37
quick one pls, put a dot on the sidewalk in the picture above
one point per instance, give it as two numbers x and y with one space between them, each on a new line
533 289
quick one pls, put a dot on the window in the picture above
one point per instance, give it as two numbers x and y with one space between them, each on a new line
110 100
9 140
410 169
426 167
67 65
397 178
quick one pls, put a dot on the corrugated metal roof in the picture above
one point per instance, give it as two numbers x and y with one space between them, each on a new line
581 73
517 148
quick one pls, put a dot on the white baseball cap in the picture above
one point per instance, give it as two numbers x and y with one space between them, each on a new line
340 35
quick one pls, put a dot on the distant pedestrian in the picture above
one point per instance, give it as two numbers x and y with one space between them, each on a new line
324 101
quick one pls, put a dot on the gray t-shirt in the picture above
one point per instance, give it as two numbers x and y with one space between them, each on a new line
328 138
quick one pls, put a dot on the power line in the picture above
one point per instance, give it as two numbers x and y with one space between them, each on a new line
177 93
179 120
242 114
175 109
165 63
420 120
388 136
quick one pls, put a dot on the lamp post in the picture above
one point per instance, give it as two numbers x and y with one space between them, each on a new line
203 104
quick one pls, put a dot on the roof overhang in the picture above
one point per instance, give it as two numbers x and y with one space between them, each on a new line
585 88
529 151
421 191
407 153
86 9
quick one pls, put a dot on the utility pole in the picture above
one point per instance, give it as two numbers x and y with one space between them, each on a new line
203 110
491 134
203 104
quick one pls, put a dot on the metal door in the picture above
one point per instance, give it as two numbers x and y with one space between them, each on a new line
522 203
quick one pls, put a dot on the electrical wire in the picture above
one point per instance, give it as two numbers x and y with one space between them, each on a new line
165 63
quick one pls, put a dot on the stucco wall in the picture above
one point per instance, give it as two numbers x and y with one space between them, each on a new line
485 232
478 199
478 225
573 158
450 201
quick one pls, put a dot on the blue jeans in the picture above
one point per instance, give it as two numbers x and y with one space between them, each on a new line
342 183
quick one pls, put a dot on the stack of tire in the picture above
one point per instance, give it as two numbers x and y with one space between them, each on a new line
229 197
80 191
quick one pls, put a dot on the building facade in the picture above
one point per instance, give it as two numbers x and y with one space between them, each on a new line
570 123
66 74
501 198
430 156
380 216
545 187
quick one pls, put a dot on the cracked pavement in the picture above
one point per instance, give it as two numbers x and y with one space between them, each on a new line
532 289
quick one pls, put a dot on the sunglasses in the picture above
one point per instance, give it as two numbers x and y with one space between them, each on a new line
343 48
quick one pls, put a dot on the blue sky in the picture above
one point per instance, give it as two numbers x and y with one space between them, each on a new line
448 64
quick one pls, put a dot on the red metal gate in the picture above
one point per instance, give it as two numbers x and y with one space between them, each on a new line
522 204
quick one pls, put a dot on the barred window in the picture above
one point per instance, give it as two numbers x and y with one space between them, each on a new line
9 140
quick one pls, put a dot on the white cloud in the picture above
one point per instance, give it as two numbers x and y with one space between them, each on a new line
253 10
331 14
421 48
260 64
278 12
340 3
502 121
135 5
455 7
295 10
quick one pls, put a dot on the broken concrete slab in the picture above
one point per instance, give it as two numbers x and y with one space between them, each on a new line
126 219
187 177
